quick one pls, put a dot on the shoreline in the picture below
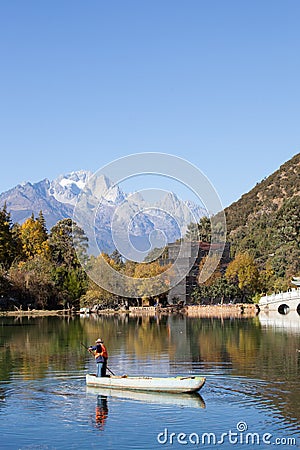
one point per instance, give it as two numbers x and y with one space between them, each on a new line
38 312
237 310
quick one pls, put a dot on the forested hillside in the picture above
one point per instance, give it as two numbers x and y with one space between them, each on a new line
263 231
266 221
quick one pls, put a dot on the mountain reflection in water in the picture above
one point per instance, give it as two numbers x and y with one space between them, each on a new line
249 363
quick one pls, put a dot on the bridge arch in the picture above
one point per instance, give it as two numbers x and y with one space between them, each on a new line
283 309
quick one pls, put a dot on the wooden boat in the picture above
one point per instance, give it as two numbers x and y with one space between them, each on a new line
153 384
190 400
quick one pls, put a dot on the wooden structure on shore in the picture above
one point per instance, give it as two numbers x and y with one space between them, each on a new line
191 255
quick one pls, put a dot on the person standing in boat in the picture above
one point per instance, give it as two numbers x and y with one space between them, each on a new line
101 357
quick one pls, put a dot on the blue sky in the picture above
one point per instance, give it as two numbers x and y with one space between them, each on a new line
215 82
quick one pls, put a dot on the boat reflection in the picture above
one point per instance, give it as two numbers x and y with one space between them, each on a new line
273 319
193 400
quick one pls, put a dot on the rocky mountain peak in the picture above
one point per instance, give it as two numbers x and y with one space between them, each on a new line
57 199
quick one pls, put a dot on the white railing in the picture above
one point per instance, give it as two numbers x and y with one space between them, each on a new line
293 294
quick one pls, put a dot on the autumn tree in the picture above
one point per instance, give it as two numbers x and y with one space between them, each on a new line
129 268
243 272
33 282
150 270
95 294
34 238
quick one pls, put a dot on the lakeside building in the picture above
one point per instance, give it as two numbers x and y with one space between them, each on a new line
191 254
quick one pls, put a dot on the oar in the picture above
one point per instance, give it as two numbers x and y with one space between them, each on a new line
91 352
86 347
111 371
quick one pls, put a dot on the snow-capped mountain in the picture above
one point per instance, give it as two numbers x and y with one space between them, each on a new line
27 198
66 188
115 214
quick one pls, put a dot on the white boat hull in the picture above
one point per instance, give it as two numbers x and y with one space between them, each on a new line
149 384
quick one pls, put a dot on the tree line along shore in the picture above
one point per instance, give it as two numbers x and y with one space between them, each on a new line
39 269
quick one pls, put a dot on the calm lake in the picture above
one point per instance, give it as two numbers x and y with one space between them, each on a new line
251 398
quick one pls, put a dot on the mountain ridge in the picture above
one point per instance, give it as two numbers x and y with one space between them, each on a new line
57 199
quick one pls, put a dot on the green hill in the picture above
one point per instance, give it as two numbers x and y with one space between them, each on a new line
266 222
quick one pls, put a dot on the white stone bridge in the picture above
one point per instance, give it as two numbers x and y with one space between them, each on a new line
283 302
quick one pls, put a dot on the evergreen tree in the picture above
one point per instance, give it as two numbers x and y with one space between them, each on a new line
7 244
68 273
192 233
17 242
5 284
63 236
205 229
42 221
288 222
117 258
219 291
199 231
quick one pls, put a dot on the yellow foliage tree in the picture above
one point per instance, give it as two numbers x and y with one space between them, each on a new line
34 238
150 270
243 271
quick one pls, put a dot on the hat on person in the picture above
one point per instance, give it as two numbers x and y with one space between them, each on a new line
99 341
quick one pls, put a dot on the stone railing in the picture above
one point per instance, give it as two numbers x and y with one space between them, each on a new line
293 294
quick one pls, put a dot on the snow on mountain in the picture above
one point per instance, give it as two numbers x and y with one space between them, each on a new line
131 214
66 188
25 199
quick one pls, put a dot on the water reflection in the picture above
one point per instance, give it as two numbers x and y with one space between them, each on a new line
273 319
225 350
101 412
180 400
